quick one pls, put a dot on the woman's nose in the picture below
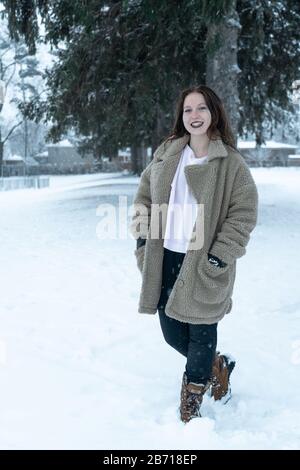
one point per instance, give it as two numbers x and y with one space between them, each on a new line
195 115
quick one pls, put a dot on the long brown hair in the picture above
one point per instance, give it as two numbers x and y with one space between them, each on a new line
219 127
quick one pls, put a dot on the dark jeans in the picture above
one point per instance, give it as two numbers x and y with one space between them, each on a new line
196 342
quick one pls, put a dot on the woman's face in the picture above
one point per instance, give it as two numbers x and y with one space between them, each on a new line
196 115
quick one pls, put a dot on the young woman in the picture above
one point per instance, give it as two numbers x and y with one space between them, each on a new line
195 208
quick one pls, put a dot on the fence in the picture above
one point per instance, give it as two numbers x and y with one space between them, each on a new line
37 182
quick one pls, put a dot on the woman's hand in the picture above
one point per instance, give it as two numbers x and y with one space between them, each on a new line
216 261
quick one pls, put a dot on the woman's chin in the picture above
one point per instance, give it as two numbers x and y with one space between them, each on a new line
198 132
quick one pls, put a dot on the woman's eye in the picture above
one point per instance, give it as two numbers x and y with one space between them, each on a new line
203 108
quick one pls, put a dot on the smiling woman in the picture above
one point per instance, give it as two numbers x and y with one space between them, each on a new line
196 113
201 113
197 167
196 120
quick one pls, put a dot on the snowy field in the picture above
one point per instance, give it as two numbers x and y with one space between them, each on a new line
81 369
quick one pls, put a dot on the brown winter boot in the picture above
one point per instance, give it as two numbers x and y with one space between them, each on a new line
191 399
220 383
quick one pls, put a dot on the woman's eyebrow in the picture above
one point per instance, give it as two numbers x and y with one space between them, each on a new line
199 104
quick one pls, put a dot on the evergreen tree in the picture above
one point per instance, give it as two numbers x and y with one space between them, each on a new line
120 64
269 58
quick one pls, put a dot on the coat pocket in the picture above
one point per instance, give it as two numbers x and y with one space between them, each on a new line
213 284
140 255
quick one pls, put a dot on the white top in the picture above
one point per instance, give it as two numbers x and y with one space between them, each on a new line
182 208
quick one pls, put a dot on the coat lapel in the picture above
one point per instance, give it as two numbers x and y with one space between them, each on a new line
162 175
200 178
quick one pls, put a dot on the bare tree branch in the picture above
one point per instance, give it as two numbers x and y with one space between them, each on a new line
11 131
11 76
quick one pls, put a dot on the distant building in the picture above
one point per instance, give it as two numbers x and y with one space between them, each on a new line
64 157
13 165
123 161
42 158
294 159
269 154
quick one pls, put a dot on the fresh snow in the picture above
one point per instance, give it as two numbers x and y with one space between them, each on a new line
81 369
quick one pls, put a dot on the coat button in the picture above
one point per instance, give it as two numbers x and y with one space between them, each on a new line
180 283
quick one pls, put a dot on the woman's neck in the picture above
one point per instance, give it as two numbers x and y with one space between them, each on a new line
199 145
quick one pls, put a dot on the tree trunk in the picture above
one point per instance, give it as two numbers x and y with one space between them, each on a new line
138 158
134 159
161 129
222 69
144 159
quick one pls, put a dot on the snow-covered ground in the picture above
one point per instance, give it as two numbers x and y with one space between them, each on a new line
79 368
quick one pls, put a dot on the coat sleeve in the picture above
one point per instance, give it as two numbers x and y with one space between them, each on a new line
232 239
140 221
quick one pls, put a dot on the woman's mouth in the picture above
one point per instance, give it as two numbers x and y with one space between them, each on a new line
197 124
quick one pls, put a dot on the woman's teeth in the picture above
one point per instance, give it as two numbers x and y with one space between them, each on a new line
197 124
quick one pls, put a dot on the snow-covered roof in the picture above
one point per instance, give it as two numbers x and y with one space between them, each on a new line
42 154
251 144
16 158
62 143
125 152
